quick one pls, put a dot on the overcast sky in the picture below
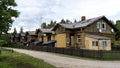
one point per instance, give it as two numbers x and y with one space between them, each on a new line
33 12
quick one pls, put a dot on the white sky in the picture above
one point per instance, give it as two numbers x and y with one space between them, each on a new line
31 11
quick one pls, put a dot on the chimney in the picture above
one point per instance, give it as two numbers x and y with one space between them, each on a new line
83 18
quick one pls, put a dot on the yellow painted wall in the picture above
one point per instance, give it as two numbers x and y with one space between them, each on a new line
52 37
61 40
88 44
45 39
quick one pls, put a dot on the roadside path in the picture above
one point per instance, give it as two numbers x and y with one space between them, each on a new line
67 62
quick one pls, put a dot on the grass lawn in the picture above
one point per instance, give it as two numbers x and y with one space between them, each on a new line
18 60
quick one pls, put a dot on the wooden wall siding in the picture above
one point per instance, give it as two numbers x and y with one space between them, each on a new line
45 39
93 28
61 40
60 30
40 34
32 38
112 36
88 44
52 37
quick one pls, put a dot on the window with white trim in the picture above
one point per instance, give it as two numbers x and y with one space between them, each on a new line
98 25
94 43
104 43
103 26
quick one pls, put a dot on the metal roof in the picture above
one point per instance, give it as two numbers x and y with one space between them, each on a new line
98 37
47 30
81 24
31 32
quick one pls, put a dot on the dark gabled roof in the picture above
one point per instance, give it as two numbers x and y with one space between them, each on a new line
98 37
83 24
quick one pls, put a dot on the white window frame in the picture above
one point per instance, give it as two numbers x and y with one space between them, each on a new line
98 25
104 28
94 43
112 30
104 43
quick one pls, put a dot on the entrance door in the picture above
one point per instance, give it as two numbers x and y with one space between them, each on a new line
72 40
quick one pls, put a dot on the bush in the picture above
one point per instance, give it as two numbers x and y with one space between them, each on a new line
116 45
3 43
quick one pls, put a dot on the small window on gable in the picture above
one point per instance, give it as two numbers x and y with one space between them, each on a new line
112 30
103 26
98 25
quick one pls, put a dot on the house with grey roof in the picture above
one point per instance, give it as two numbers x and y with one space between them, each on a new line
95 34
30 36
45 35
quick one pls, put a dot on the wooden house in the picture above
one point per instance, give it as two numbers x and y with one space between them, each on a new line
30 36
95 34
45 35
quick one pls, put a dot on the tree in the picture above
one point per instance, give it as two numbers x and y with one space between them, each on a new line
75 21
62 21
117 35
43 25
21 30
118 24
15 31
67 21
7 14
52 24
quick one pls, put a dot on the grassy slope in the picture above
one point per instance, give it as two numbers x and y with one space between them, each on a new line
18 60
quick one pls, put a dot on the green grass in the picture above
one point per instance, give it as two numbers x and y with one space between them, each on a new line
18 60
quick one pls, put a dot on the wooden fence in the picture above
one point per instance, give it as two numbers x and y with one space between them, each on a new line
103 55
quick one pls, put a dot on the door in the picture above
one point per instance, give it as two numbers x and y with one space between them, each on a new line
72 40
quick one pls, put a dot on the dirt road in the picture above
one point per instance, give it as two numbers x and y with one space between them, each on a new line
67 62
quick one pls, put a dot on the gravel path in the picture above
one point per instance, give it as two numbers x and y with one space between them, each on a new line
67 62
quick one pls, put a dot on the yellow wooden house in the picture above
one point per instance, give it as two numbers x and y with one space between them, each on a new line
45 35
94 34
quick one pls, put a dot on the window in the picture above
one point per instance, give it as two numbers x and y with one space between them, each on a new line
78 39
104 43
103 26
98 25
112 30
94 43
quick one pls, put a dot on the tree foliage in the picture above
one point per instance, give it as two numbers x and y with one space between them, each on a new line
7 14
118 24
117 36
50 25
15 31
21 30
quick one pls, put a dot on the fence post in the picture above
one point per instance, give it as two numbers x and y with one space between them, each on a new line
101 54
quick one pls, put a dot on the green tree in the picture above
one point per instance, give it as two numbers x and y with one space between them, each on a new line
7 14
21 30
52 24
117 36
75 21
15 31
43 25
118 24
68 21
62 21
